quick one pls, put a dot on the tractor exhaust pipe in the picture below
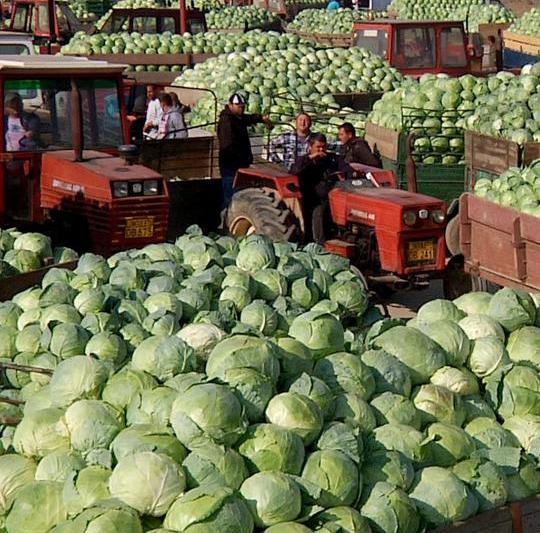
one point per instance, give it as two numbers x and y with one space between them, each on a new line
77 136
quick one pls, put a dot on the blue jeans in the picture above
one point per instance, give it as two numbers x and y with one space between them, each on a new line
227 179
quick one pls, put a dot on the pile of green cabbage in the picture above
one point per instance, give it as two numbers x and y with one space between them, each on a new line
233 17
528 24
509 106
516 188
167 43
127 4
24 252
434 109
324 21
474 10
300 73
242 386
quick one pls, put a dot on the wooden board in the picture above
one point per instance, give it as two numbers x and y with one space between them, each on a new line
495 521
385 140
526 44
143 59
490 154
500 244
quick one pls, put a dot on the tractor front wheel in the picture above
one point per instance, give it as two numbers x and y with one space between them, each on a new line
261 211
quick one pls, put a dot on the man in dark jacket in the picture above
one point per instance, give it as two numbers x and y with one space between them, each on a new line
317 173
355 150
234 144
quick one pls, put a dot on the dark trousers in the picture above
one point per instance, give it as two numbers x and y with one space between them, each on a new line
227 180
317 223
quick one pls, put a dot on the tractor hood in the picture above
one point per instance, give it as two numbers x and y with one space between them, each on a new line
352 202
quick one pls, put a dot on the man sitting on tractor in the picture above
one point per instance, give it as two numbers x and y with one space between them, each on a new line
286 148
355 150
21 128
318 171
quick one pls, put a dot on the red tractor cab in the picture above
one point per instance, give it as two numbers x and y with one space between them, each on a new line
394 237
59 165
48 21
155 20
417 47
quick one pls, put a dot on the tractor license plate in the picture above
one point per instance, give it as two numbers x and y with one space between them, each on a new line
420 252
139 228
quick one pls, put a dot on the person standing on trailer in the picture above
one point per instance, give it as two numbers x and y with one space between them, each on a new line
355 150
153 112
234 144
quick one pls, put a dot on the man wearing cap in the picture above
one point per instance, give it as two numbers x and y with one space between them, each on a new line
234 145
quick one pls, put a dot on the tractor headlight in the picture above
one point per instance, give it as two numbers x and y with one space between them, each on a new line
438 216
120 189
151 187
409 218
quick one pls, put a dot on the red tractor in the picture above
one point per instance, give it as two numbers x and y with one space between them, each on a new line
395 237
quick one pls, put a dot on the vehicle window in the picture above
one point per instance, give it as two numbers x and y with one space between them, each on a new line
145 24
374 40
42 18
49 127
11 49
168 24
196 26
117 24
19 20
452 48
414 48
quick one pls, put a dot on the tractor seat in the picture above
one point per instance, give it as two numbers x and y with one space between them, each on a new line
354 185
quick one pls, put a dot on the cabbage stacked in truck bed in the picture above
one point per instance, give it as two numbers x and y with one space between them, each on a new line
248 386
324 21
528 24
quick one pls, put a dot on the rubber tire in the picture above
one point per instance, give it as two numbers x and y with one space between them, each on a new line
483 285
262 211
451 235
456 281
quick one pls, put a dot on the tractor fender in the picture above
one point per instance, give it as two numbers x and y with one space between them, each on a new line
453 209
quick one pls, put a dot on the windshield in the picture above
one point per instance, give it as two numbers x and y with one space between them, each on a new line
453 48
20 18
37 114
374 40
12 49
414 48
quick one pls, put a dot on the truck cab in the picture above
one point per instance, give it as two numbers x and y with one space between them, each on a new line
14 43
417 47
63 123
33 17
155 20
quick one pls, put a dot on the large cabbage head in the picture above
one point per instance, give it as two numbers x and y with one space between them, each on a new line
335 475
318 391
272 497
441 497
485 480
148 482
102 518
202 338
341 519
524 345
321 332
439 309
208 411
448 444
297 413
216 508
388 508
215 465
342 437
270 447
256 255
439 404
416 351
514 390
450 337
488 433
479 326
16 472
37 508
78 378
243 351
488 354
295 359
390 374
163 357
512 309
388 466
350 295
121 387
59 465
526 429
474 303
34 242
392 408
458 380
151 407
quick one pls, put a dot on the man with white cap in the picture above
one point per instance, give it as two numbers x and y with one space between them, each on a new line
234 145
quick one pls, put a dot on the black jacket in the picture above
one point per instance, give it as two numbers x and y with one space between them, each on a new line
233 136
358 151
316 179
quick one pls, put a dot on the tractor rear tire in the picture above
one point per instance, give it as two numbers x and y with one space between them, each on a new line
261 211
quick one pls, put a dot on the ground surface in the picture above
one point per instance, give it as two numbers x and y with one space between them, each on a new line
404 304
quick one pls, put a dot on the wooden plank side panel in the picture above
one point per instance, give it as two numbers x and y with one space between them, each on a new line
522 43
530 515
490 154
496 521
385 140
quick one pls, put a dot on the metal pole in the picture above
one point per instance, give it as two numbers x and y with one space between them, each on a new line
77 137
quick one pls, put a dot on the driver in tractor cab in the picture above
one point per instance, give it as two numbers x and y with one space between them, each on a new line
318 171
355 150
